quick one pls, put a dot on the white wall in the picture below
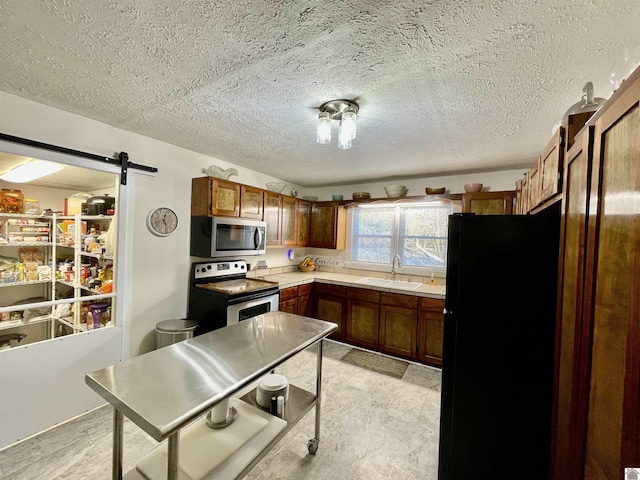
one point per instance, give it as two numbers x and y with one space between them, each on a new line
159 267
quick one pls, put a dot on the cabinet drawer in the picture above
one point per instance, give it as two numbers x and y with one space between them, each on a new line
305 289
432 304
330 289
407 301
363 294
288 293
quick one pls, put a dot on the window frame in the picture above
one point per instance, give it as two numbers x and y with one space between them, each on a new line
456 207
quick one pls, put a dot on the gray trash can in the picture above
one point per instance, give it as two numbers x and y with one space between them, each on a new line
174 331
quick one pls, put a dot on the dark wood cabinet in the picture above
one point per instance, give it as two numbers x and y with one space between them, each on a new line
398 324
289 215
304 304
363 317
251 202
597 396
330 305
273 217
328 225
211 196
289 300
488 203
430 331
551 167
303 223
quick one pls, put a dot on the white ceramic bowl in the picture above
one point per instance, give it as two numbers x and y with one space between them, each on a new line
472 187
276 186
394 191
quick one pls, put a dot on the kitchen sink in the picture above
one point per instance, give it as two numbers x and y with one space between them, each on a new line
375 282
381 282
403 285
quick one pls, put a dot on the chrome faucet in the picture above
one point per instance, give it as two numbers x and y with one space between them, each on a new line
393 266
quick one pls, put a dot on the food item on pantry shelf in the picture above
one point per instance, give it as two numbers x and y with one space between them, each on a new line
11 201
107 287
31 206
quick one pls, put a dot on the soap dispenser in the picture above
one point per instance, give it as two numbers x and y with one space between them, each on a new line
432 280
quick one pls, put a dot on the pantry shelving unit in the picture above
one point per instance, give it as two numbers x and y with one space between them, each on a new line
46 233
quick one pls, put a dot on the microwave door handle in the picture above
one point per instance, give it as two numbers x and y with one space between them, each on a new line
258 241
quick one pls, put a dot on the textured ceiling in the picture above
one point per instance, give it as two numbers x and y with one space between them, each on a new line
444 86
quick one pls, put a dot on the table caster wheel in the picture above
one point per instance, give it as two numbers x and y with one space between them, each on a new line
312 446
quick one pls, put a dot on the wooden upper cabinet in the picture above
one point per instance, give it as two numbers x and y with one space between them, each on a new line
303 223
212 196
289 212
328 225
534 186
518 200
272 217
551 166
488 203
524 200
251 201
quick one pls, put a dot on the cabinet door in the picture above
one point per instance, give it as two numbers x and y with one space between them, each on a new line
272 217
303 223
329 305
551 166
518 200
363 317
572 334
534 186
430 331
328 225
398 330
488 203
525 195
289 210
289 306
304 305
612 299
225 198
251 201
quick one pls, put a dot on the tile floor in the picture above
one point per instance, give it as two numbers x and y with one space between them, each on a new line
373 427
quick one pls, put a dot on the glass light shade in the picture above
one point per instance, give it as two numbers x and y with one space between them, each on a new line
348 123
324 128
344 137
30 171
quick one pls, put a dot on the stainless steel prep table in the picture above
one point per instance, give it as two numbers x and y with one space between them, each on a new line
164 390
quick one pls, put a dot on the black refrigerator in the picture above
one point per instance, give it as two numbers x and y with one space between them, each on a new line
497 373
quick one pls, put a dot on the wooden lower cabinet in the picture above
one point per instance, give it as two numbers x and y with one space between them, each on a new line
330 305
430 331
398 324
304 300
289 300
363 317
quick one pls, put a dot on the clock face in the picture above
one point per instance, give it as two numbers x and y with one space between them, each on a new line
162 221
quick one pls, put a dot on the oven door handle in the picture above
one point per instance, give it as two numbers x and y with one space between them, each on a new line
257 241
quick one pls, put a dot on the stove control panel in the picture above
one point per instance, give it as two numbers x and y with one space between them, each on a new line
219 269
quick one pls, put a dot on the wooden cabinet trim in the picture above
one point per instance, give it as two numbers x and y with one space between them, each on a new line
399 300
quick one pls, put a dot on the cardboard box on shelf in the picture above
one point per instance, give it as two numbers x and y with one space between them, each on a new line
69 226
73 205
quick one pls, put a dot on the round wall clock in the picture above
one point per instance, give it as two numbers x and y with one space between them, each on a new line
162 221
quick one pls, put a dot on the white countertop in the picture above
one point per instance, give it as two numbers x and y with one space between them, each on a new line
292 279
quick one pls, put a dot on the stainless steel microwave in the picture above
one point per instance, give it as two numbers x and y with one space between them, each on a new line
213 237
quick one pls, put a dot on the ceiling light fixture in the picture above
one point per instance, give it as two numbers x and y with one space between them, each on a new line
344 110
30 171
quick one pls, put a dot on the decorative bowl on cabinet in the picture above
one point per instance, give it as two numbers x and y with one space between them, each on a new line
472 187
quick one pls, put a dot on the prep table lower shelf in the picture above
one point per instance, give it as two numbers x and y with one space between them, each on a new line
171 389
231 452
